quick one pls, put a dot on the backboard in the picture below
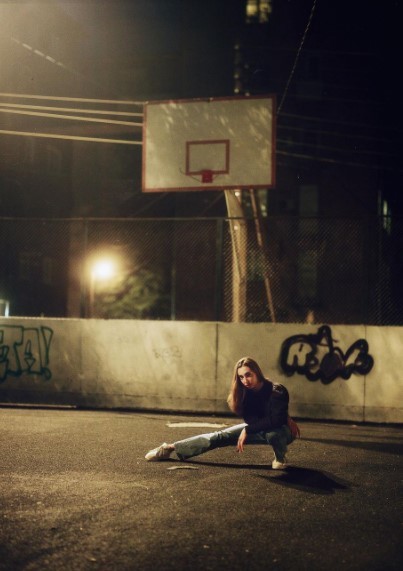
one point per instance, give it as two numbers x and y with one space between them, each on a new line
209 144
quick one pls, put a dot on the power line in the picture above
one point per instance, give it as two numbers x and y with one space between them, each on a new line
336 161
142 103
20 109
326 99
110 121
72 109
297 57
336 149
333 133
324 120
70 137
80 99
265 48
70 117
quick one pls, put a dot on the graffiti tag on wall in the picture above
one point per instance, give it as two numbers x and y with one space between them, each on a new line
24 351
316 357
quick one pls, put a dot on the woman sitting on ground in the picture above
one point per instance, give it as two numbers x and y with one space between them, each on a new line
263 405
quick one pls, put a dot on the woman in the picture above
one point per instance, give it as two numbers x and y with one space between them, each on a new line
264 408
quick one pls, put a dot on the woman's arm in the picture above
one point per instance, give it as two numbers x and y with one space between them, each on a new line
241 441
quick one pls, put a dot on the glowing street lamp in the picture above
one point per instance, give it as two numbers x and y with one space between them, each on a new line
4 307
101 270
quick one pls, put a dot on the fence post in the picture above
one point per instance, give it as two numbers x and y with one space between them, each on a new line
219 269
238 230
83 277
261 240
173 274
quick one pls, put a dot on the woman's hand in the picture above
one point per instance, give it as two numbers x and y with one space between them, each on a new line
241 441
293 426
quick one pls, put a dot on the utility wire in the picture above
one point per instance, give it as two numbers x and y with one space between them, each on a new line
297 56
320 147
70 117
17 110
265 48
71 99
142 103
336 161
71 109
131 114
70 137
324 120
325 98
80 99
333 133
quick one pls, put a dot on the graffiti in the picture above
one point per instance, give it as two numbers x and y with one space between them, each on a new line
24 351
168 354
316 357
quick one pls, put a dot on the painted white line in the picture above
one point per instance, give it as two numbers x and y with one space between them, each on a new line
182 468
195 424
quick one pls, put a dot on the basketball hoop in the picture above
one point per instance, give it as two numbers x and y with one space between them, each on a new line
212 144
206 159
207 176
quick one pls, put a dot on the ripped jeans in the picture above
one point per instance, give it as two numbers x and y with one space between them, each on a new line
278 438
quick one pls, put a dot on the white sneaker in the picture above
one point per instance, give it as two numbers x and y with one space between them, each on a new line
163 452
277 465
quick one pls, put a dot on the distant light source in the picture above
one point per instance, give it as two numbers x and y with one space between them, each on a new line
103 269
4 307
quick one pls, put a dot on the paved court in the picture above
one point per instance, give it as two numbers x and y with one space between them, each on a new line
78 495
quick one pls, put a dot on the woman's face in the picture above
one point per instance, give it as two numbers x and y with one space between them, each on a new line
249 379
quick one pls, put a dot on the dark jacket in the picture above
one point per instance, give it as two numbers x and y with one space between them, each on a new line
265 409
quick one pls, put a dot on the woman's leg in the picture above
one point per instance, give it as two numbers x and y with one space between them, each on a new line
196 445
278 439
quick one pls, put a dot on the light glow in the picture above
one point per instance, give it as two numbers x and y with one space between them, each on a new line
103 269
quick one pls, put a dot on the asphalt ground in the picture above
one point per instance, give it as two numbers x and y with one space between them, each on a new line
77 494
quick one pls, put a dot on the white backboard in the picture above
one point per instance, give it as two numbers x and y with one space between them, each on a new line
209 144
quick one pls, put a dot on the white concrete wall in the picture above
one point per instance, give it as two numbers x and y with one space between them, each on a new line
186 366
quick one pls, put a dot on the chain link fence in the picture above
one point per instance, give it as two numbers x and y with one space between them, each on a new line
288 270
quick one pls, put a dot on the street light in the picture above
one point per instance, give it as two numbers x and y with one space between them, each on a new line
101 270
4 307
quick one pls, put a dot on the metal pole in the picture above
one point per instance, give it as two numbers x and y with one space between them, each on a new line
261 240
238 239
84 275
219 269
173 276
91 295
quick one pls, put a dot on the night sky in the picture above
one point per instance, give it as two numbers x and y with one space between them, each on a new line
160 49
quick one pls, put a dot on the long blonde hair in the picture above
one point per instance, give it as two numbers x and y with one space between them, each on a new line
237 392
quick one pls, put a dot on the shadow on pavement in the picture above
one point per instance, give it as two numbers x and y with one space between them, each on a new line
308 480
231 466
303 479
